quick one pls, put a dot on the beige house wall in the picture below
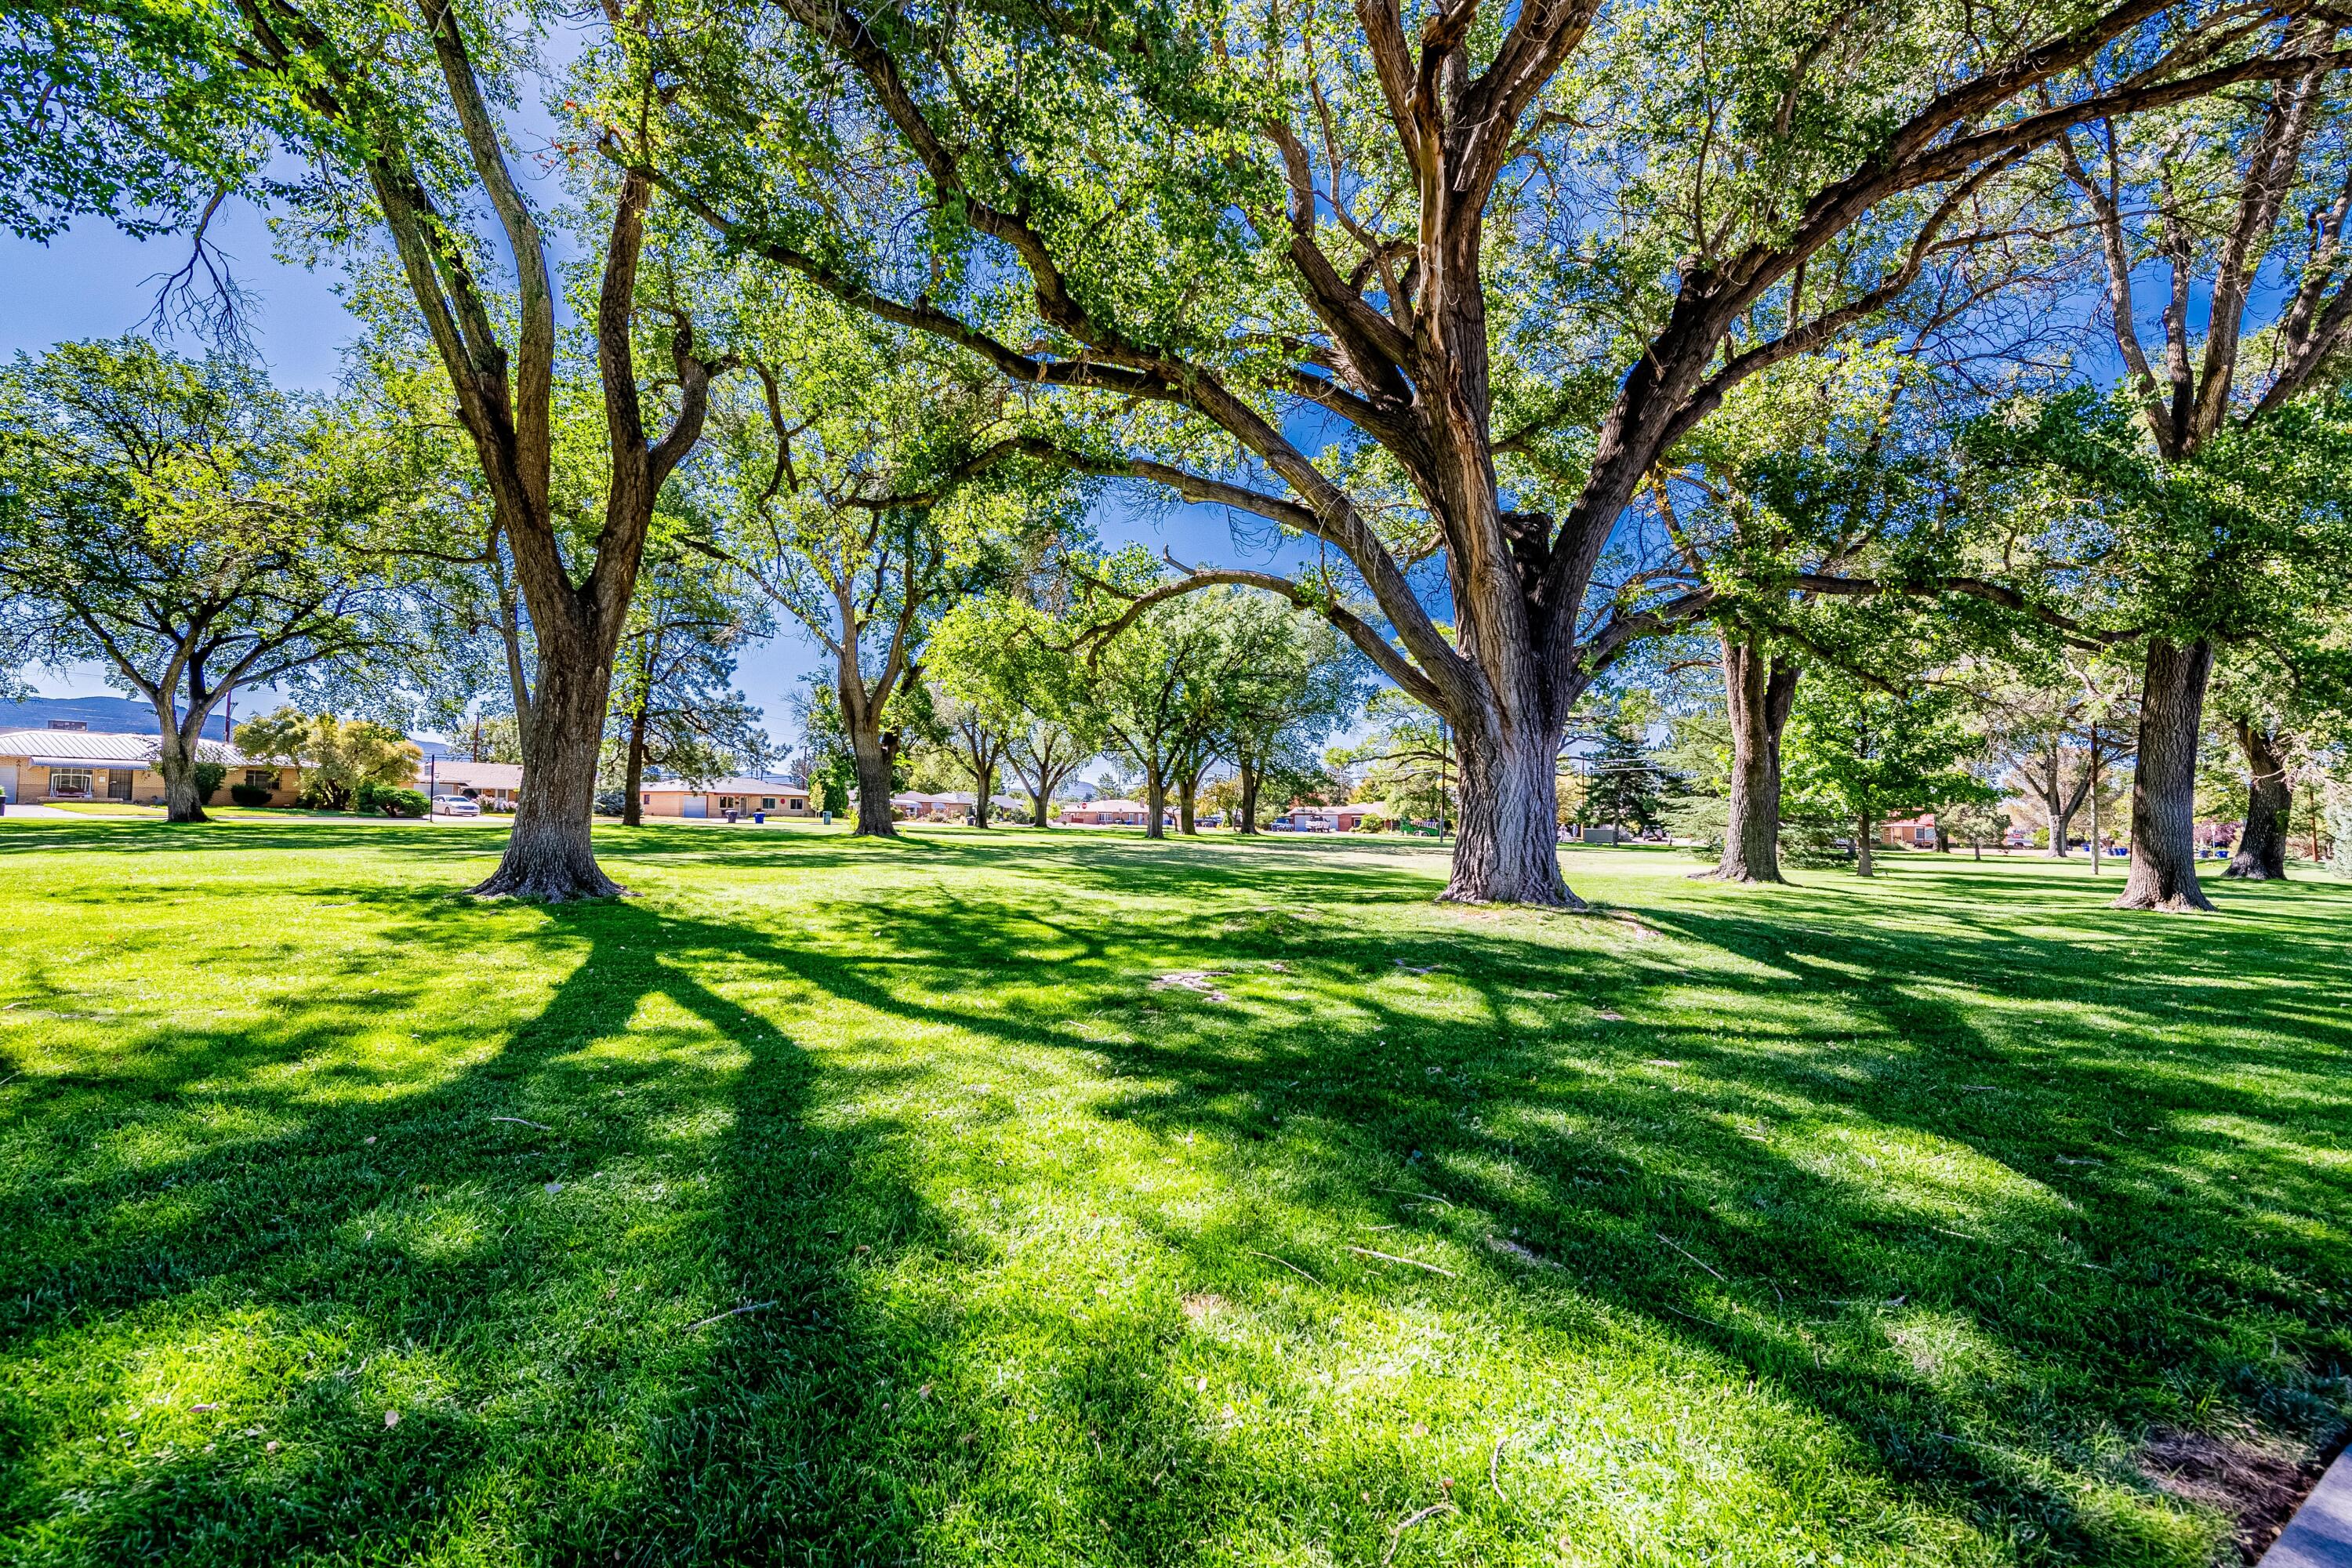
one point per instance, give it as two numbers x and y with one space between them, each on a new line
671 804
33 783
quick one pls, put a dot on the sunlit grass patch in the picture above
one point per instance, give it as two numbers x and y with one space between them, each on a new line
1012 1197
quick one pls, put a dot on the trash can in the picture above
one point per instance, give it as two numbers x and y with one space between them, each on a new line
759 816
731 817
828 819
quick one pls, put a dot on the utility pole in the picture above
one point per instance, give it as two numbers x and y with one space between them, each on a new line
1444 756
2095 796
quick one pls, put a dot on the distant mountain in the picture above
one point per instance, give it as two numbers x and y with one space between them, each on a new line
112 715
130 716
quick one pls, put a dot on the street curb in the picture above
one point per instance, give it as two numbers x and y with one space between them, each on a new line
2320 1533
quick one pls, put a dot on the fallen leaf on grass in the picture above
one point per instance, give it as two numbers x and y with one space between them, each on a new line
1194 980
1510 1248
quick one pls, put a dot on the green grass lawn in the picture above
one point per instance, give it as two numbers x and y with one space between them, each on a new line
1009 1197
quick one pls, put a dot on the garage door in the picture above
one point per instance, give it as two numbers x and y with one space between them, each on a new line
694 805
9 783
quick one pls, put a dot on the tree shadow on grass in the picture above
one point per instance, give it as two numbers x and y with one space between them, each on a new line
1983 1239
1857 1165
516 1258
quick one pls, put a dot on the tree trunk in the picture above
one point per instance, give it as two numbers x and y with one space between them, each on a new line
2057 804
871 751
1188 791
1248 813
1037 798
1155 802
2091 778
1758 692
1508 852
1862 862
2164 786
175 759
2261 854
632 814
549 854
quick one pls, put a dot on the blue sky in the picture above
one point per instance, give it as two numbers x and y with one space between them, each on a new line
94 283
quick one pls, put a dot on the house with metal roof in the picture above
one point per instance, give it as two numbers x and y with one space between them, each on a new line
65 763
698 798
495 787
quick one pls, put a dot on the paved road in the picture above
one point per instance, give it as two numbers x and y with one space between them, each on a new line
2320 1534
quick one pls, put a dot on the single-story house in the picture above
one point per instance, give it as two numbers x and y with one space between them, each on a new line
1909 833
1331 819
491 785
65 763
698 799
1110 814
953 805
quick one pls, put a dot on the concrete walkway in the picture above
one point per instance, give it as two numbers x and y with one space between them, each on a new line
50 813
2320 1533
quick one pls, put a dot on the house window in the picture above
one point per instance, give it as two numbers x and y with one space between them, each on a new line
767 802
70 783
261 778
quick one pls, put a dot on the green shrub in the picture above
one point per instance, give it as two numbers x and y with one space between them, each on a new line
208 780
390 800
250 795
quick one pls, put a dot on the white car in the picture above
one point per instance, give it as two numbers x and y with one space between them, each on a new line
455 805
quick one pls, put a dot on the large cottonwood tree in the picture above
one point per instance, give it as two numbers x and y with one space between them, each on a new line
1507 257
394 111
2244 201
191 528
867 483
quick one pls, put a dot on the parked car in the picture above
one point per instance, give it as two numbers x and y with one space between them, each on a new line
455 805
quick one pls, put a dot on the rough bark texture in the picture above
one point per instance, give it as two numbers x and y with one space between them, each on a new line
1155 803
633 783
178 767
549 855
175 759
2091 782
1246 817
1861 861
2164 786
2059 804
1509 849
872 751
1038 802
1758 692
2261 854
1402 348
1188 794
